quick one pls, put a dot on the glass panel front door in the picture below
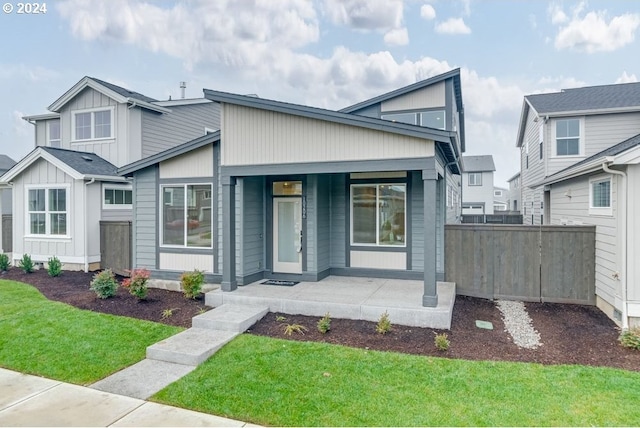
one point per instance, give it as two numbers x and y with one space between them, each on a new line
287 235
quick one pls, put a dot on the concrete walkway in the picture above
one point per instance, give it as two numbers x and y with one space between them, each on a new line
27 400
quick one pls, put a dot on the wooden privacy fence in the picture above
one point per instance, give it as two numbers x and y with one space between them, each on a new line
115 246
492 218
529 263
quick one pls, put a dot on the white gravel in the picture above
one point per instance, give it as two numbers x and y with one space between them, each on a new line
518 324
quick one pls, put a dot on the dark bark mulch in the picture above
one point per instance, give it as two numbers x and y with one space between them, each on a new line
570 334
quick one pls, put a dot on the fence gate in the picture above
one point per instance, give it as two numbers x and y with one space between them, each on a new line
529 263
115 246
7 233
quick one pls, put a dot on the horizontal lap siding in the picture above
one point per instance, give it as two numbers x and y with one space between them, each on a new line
252 230
417 221
311 238
430 97
145 215
338 220
323 207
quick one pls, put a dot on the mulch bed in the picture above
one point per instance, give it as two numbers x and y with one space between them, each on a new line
570 334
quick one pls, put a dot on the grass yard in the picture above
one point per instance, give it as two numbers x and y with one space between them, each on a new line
54 340
277 382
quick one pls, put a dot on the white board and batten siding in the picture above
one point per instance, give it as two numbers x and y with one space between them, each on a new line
531 198
633 241
259 137
197 163
429 97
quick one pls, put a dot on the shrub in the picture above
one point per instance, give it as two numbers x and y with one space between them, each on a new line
26 264
167 313
191 283
289 329
54 266
630 338
442 341
324 325
384 324
104 284
4 262
137 283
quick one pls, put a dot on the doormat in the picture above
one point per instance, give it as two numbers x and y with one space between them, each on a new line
278 282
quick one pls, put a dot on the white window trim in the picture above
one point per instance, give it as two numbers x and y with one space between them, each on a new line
377 244
93 129
418 122
601 211
27 224
106 206
555 139
475 174
186 206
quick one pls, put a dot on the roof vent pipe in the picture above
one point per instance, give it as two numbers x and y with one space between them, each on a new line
183 86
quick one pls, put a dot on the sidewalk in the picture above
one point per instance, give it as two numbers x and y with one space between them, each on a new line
27 400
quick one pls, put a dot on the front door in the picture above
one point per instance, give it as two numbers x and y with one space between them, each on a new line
287 235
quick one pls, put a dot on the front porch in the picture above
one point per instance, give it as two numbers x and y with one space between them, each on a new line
350 298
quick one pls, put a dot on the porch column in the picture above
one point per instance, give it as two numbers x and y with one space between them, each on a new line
229 234
429 181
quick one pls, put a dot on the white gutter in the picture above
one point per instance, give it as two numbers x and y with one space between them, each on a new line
623 233
86 227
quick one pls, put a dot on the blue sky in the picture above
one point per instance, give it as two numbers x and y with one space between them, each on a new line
325 53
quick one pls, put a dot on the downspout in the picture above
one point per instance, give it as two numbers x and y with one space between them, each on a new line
86 226
623 232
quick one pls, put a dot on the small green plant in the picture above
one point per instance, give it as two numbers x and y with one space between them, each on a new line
289 329
137 283
26 264
324 324
280 318
441 341
104 284
384 324
54 266
201 311
167 313
630 338
4 262
191 283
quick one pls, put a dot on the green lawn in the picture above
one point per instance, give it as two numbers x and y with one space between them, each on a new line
277 382
54 340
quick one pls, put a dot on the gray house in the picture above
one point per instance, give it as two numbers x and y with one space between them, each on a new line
477 184
6 205
293 192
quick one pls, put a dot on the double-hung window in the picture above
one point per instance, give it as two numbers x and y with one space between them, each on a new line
93 124
54 133
600 196
47 211
475 179
568 137
378 214
186 215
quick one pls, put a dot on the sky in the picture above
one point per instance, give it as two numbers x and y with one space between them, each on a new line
321 53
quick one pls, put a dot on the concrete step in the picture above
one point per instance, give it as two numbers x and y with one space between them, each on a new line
191 347
230 317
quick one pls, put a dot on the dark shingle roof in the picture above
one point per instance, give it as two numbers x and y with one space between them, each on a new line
124 92
589 98
84 162
6 163
478 163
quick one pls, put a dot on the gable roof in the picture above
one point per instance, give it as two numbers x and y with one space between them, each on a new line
6 163
124 92
78 165
196 143
445 138
481 163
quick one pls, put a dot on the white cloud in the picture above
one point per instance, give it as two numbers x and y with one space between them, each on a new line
21 128
626 78
365 14
453 26
556 14
427 12
593 32
397 37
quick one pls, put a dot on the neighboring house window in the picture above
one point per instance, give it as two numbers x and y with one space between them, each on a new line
54 133
47 211
117 197
475 179
541 140
600 196
378 214
497 193
568 137
93 124
186 216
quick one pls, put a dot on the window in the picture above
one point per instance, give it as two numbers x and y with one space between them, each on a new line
117 197
378 214
186 216
600 196
541 140
47 211
497 193
475 179
54 133
93 125
568 137
433 119
410 118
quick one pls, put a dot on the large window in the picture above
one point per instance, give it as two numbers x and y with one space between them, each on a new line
47 211
117 197
475 179
93 124
568 137
54 133
429 119
186 215
378 214
600 196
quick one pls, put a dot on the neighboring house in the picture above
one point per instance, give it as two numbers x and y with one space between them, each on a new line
500 199
6 203
514 193
583 169
477 184
68 183
294 192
